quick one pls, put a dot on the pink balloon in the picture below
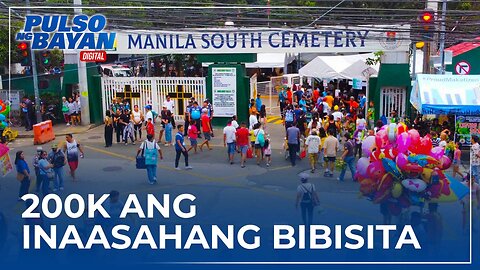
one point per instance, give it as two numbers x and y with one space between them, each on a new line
367 145
414 140
362 166
402 161
381 139
403 142
444 163
437 152
375 171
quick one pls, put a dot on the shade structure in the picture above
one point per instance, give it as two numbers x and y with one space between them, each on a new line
446 94
339 67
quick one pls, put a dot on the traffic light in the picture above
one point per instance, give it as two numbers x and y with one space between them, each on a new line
427 22
45 58
24 52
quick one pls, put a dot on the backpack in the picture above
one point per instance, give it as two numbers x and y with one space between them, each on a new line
307 197
58 160
150 154
289 116
261 138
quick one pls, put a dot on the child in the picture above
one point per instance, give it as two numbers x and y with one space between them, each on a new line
456 160
192 135
267 151
435 138
253 138
150 127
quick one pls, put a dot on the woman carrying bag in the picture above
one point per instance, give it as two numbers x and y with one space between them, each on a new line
23 174
46 172
147 158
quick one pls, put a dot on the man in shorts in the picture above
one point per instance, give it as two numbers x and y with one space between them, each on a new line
73 150
330 147
206 128
242 142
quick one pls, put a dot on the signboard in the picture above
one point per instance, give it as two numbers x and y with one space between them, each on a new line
224 91
462 68
357 84
255 40
465 127
446 94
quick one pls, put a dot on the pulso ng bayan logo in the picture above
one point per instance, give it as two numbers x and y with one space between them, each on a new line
82 32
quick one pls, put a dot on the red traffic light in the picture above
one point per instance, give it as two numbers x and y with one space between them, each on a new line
22 46
427 17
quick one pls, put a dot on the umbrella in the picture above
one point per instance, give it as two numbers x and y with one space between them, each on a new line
449 189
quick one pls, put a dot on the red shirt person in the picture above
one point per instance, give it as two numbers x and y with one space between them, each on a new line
243 142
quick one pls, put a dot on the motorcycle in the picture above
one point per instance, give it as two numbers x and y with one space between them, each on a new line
49 113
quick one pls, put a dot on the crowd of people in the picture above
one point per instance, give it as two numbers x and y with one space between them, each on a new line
327 128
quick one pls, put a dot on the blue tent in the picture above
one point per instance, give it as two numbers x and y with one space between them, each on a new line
446 94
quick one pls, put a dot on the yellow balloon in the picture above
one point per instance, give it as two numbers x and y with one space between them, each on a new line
427 175
397 190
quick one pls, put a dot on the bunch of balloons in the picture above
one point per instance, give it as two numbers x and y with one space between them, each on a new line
403 169
4 111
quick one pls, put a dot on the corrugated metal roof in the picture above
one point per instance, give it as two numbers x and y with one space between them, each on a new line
464 47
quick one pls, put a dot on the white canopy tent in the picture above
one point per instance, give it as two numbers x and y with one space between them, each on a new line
339 67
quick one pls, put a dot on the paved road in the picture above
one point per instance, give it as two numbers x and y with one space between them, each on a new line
226 194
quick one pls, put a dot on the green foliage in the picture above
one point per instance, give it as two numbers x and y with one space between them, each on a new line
377 56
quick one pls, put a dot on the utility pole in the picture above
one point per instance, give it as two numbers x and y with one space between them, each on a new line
82 78
38 114
442 37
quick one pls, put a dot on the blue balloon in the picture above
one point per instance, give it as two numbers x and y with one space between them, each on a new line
2 117
4 124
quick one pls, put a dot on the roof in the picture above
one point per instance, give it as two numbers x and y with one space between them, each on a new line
464 47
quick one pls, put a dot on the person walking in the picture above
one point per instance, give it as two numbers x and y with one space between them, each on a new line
243 142
475 159
307 199
457 160
229 139
348 157
259 142
195 114
73 151
23 174
181 149
192 135
137 119
46 172
330 148
293 139
108 121
150 150
312 147
57 158
207 129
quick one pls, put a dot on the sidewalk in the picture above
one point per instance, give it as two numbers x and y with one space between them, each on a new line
59 130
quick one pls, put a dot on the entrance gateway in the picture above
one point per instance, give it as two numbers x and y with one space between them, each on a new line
229 49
